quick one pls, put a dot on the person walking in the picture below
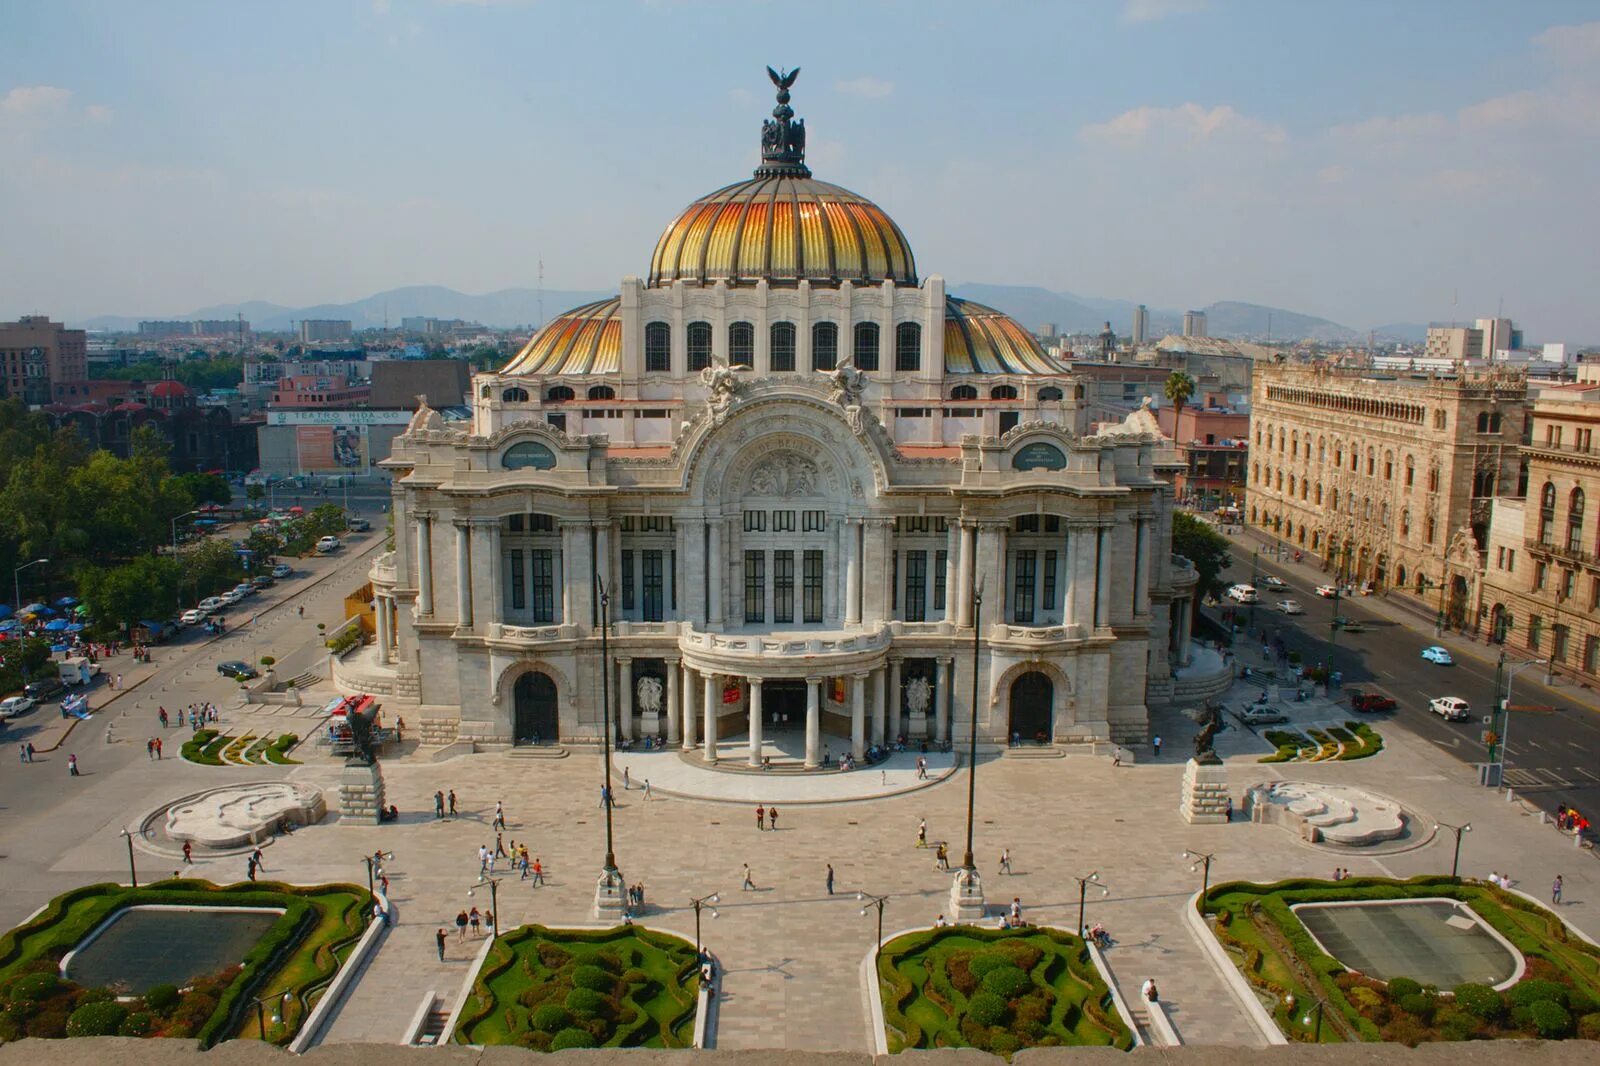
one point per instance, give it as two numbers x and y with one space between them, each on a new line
500 846
1155 743
1555 890
483 859
772 818
830 879
438 804
163 717
452 803
749 882
260 860
158 749
761 817
1005 861
475 920
499 814
188 853
538 872
30 751
647 790
941 859
72 766
150 748
627 779
922 833
461 925
22 753
250 870
439 938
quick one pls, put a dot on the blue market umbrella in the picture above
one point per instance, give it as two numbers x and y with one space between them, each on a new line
5 612
36 608
76 627
58 647
9 624
67 601
56 626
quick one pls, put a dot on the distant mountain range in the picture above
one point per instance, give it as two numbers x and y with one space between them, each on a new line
1030 305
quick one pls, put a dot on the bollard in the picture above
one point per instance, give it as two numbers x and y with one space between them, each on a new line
1577 839
1509 795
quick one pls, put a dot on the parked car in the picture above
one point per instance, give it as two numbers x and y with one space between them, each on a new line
1327 592
282 570
1262 714
1273 584
1438 656
328 544
12 706
212 604
231 597
1290 607
43 688
358 525
262 581
192 617
1243 594
244 588
1371 702
239 671
1450 708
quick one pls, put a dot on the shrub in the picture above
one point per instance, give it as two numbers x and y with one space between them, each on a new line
568 1038
97 1019
1481 1001
1406 1030
551 1018
961 977
608 960
10 1029
48 1024
986 1008
1007 982
553 956
1005 1044
585 1001
988 961
593 977
1022 954
1550 1019
1418 1004
161 998
1456 1025
35 987
96 995
1530 992
1589 1027
138 1023
1401 987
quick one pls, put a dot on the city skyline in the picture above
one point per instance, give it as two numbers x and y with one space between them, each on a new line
1361 164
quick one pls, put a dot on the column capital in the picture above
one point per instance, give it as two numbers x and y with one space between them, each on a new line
483 522
946 660
861 676
672 660
573 523
755 682
815 680
624 660
422 514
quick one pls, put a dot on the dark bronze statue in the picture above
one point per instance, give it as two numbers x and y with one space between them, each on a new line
1210 722
364 754
783 138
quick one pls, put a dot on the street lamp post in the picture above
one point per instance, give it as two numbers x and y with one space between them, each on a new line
1083 891
1315 1018
174 524
1201 861
878 902
133 874
1500 720
16 579
494 902
282 1002
372 863
1455 863
1255 575
608 892
966 893
703 903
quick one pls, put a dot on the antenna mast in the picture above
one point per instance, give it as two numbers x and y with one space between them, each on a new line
540 296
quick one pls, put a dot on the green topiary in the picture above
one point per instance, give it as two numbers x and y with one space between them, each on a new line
984 962
1589 1027
585 1001
1550 1019
1005 1044
593 977
569 1038
551 1018
1530 992
138 1023
1456 1025
1401 987
96 1019
986 1008
1008 982
1417 1003
1481 1001
35 987
47 1025
95 995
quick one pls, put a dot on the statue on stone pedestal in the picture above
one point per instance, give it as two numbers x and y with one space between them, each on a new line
1210 722
361 737
650 695
919 695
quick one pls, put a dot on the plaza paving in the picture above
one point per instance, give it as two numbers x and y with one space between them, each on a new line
790 950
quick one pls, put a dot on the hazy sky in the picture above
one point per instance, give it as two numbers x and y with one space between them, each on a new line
1367 161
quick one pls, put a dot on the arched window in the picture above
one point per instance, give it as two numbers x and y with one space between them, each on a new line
657 348
1428 529
699 344
781 353
963 392
1003 392
1319 494
1575 506
1371 463
1333 499
1483 422
1433 477
1322 450
1411 471
1338 454
1405 529
908 346
559 394
1483 483
515 394
824 346
866 346
741 344
1294 443
1291 484
1388 466
1049 394
602 392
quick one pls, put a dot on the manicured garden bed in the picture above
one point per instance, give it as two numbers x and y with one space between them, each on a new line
550 989
1354 740
1558 996
299 955
996 990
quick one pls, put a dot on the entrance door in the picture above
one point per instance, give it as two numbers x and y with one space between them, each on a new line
1032 697
780 698
534 698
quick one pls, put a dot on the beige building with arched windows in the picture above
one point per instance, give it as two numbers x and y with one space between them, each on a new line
791 460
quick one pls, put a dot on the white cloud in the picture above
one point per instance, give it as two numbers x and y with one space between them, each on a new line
35 100
1188 123
1572 44
1156 10
867 87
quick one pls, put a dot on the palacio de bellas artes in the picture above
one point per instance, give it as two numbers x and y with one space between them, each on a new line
804 490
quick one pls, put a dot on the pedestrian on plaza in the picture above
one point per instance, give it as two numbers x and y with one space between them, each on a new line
438 939
922 833
119 681
1149 990
627 781
461 925
302 615
1116 756
452 803
72 766
500 846
250 870
761 817
438 804
830 879
772 818
483 859
399 729
188 853
260 861
150 748
647 790
158 749
1005 861
499 814
941 858
1155 742
30 751
475 920
22 753
163 716
1555 890
749 882
1016 910
538 873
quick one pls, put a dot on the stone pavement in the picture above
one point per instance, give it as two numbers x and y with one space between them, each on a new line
672 773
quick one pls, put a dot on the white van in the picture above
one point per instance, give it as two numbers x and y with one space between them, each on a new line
1243 594
77 670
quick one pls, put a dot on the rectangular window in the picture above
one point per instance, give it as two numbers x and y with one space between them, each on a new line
1025 567
1594 593
782 587
1535 632
1569 584
699 338
783 521
627 581
1591 655
1028 523
755 586
813 521
657 348
941 563
1558 643
811 588
1511 560
1539 570
1049 580
650 565
518 594
515 523
544 585
755 521
916 586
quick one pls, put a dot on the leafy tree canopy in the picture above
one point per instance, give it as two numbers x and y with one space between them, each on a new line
1203 546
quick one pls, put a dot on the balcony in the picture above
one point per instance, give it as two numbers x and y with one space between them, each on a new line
1561 551
776 653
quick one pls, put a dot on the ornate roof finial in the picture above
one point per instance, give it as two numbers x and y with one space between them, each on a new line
783 140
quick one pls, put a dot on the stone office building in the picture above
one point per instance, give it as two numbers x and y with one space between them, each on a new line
802 479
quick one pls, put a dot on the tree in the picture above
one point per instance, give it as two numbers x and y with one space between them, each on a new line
1179 390
254 492
212 565
1203 546
147 587
205 488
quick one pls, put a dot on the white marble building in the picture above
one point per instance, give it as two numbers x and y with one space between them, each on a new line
791 463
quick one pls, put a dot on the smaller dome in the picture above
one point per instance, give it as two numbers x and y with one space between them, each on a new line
169 390
584 340
981 340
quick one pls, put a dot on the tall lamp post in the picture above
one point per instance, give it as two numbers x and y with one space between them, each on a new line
174 524
133 875
878 902
1083 891
1500 719
373 865
1455 863
16 579
1201 861
703 903
608 891
494 901
281 1011
966 894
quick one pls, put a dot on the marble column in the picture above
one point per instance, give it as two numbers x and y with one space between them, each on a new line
952 574
568 604
625 690
380 610
690 690
964 585
1185 628
813 722
463 575
1069 573
674 710
858 716
893 707
947 695
496 572
425 564
1141 566
718 576
1102 578
879 712
852 572
755 721
708 708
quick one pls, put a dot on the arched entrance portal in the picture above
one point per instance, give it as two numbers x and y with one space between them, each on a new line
536 718
1032 701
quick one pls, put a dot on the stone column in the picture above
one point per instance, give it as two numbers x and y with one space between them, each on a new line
964 585
858 716
425 564
568 605
690 690
1141 566
674 710
380 605
463 575
813 722
1102 578
718 572
708 708
625 690
1069 574
952 574
1185 629
946 699
852 572
496 572
755 721
879 714
891 708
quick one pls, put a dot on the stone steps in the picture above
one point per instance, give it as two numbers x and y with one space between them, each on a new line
1035 751
537 751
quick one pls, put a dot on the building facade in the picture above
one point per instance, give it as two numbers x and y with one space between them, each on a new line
319 330
799 480
1390 479
36 353
1541 588
1212 444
